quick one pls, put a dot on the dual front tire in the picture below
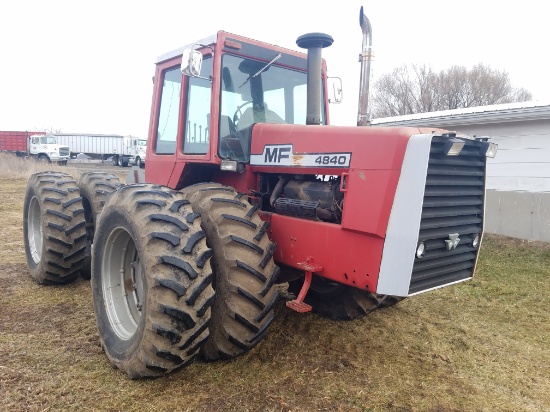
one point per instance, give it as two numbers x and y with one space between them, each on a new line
151 281
244 270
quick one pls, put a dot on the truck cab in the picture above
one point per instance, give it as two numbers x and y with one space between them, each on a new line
137 149
45 148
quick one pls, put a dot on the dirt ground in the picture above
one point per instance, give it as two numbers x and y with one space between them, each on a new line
483 345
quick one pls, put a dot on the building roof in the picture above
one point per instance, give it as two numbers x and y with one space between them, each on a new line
497 113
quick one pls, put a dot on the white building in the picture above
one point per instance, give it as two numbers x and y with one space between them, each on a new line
518 178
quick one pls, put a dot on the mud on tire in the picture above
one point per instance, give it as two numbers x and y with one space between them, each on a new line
244 271
94 187
151 281
54 228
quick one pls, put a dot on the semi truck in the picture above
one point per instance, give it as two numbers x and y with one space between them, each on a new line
36 145
249 186
122 150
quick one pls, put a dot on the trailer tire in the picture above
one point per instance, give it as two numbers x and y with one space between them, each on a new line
243 266
341 302
151 281
95 187
54 228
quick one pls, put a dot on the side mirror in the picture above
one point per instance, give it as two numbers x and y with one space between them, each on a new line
334 90
191 63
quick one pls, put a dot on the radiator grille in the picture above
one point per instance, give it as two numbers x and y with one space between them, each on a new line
453 203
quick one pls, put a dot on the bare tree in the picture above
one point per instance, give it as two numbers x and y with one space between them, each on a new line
413 89
50 129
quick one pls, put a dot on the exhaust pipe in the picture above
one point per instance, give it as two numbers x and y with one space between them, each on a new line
364 113
314 42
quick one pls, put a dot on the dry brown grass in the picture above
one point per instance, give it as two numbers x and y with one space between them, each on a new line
482 345
13 167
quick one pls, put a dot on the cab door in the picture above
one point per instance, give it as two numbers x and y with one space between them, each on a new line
180 130
35 145
164 125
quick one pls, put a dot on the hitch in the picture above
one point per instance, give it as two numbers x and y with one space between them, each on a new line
298 304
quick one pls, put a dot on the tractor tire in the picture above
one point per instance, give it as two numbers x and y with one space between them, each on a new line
151 281
139 163
95 187
244 271
116 161
340 302
43 159
54 228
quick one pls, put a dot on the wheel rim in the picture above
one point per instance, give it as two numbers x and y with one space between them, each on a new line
123 283
34 230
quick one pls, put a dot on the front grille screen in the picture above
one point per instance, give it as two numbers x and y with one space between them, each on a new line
453 204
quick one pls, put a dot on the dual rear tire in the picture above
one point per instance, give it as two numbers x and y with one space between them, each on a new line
95 188
54 228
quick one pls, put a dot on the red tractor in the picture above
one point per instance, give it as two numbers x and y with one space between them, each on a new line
249 187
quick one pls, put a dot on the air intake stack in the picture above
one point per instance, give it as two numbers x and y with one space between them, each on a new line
314 42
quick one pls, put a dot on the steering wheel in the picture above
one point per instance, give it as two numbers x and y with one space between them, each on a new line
239 113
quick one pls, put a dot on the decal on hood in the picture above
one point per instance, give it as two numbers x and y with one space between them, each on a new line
283 155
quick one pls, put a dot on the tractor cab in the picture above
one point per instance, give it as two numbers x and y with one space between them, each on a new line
207 97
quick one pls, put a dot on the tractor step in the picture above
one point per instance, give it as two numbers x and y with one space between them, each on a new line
299 307
298 304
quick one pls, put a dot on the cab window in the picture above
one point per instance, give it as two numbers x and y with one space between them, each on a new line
167 129
197 133
256 92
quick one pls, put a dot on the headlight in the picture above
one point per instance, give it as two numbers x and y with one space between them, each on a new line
491 150
420 250
477 239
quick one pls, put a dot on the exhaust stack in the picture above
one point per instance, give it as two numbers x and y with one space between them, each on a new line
314 42
364 113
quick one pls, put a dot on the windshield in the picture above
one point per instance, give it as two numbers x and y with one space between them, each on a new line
275 95
142 142
48 140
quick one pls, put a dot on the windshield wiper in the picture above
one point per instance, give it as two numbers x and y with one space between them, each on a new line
262 69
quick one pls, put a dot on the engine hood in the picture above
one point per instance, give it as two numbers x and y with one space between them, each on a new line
282 146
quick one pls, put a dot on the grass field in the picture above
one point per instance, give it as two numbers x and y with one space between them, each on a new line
483 345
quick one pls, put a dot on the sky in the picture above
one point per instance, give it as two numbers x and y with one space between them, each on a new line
87 66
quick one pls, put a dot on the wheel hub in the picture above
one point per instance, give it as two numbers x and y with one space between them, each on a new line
123 283
34 230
